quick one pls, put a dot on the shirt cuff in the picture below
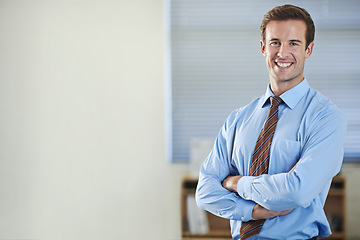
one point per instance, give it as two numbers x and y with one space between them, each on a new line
247 191
244 187
246 210
247 205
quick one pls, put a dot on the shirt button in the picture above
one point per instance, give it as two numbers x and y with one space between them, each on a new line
245 195
265 200
242 218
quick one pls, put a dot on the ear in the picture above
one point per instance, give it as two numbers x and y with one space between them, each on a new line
309 50
262 48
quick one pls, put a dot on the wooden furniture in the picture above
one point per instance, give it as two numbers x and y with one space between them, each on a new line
335 208
219 228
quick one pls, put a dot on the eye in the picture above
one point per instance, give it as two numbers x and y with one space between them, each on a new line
294 44
275 43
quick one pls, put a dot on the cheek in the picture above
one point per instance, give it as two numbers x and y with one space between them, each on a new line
269 64
269 58
299 55
270 55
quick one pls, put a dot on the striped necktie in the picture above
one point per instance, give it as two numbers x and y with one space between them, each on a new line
260 162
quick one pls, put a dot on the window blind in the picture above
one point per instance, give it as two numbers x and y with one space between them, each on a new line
217 66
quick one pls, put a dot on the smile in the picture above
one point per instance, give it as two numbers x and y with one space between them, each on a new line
284 65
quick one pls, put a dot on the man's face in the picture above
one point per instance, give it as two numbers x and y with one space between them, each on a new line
284 49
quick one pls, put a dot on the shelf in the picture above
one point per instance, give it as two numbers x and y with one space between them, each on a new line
336 192
336 236
211 233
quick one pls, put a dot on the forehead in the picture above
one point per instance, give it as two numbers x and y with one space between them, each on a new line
286 30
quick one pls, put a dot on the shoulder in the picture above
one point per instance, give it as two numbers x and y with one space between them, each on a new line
241 114
324 104
322 109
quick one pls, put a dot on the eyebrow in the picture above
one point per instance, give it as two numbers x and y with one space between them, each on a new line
274 39
296 40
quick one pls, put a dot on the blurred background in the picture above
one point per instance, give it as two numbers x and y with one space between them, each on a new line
87 121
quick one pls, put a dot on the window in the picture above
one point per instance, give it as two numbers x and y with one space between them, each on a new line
216 64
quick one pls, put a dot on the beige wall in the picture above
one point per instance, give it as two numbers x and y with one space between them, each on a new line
352 172
82 146
82 136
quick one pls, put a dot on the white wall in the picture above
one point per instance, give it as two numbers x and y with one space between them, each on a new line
82 146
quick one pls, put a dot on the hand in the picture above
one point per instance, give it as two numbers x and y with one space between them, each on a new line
293 168
230 183
260 212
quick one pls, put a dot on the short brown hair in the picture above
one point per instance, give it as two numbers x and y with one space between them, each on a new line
287 12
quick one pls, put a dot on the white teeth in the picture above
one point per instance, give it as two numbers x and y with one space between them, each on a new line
283 64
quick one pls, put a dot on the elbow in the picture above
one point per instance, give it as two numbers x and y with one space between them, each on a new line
285 201
299 200
204 195
200 198
299 194
291 195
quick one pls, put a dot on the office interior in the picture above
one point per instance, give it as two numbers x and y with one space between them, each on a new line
83 101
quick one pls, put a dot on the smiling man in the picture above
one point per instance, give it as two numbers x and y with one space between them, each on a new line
273 161
283 46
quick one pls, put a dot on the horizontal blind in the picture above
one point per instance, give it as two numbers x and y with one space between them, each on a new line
216 64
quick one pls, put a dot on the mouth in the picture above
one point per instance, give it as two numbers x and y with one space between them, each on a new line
283 65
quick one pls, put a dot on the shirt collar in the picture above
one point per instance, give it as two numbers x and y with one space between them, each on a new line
291 97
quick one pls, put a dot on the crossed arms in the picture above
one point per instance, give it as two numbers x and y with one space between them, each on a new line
223 191
258 212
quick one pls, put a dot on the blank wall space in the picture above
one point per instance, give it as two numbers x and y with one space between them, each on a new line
82 148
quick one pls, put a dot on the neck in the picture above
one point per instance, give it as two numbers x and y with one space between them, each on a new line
279 87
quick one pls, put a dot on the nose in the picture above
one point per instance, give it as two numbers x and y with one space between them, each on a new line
283 51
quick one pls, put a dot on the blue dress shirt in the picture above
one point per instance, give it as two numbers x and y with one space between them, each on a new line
310 133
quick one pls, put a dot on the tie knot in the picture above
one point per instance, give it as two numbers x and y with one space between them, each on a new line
275 101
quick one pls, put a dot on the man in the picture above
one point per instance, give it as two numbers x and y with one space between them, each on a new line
296 143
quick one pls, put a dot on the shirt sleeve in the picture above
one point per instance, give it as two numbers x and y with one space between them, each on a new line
210 195
321 159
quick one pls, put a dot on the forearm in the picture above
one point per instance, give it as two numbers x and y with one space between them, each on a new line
285 191
231 183
272 200
212 197
270 191
228 204
258 212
